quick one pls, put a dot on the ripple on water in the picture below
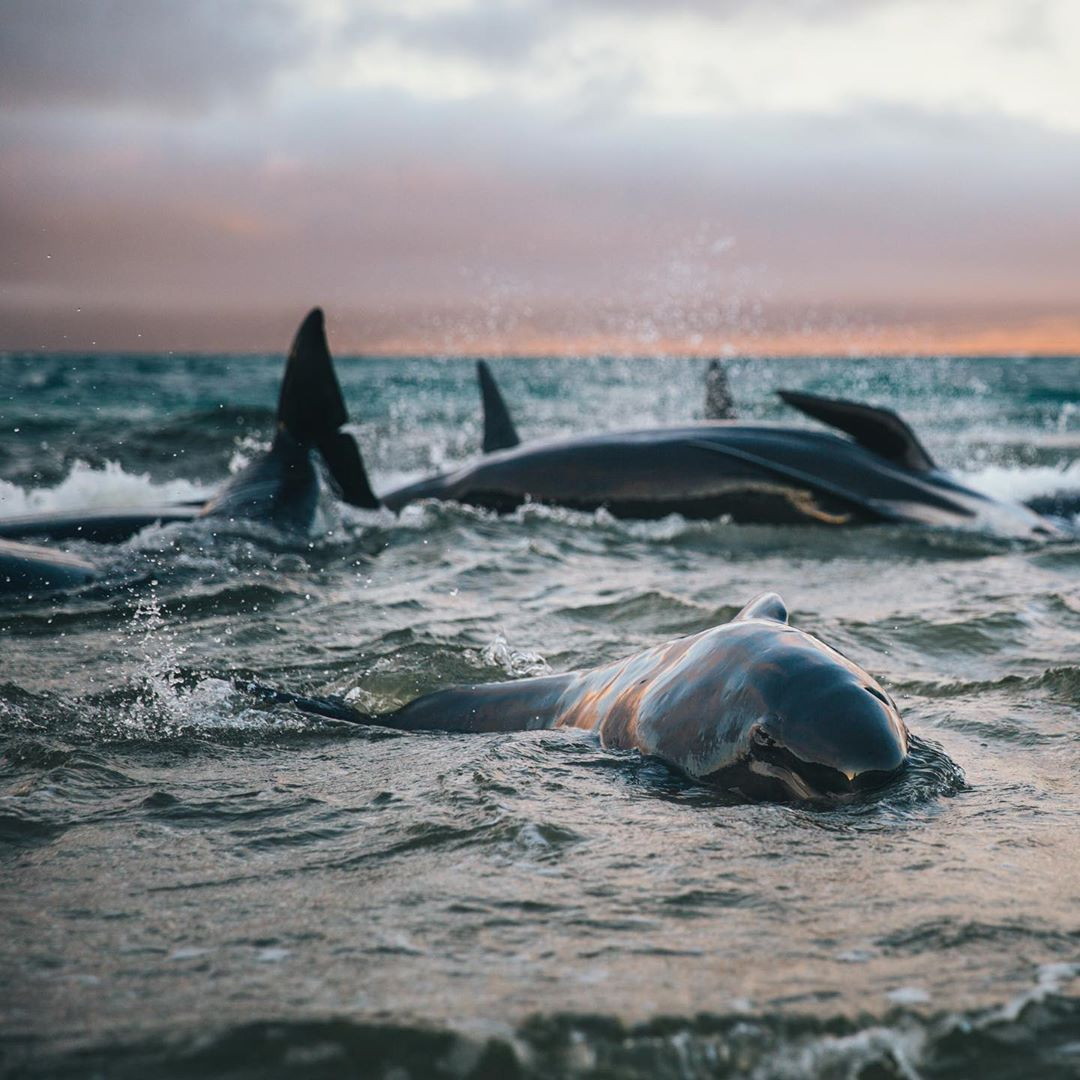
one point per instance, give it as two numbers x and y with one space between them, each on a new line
1033 1035
332 885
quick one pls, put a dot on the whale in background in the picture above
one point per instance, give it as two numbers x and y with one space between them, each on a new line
755 707
280 486
753 473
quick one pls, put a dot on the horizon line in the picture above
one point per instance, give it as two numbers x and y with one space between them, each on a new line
357 333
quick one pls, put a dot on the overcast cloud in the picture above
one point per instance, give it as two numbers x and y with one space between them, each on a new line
539 175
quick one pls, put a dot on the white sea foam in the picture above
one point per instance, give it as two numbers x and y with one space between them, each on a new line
880 1050
1051 980
514 661
86 487
1020 483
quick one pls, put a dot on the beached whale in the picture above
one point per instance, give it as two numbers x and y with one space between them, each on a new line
753 473
754 706
280 486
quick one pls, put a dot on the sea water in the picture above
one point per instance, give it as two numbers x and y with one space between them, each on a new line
192 884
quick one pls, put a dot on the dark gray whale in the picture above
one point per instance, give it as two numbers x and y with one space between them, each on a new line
280 486
755 706
26 568
753 473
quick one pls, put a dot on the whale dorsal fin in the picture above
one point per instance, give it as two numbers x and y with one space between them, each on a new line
766 606
879 430
499 430
719 404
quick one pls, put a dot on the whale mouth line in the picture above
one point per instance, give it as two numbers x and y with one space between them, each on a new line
788 777
812 781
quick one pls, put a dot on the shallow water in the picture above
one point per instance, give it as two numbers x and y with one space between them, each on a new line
196 885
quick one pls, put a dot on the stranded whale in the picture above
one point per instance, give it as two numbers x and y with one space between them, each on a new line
755 706
753 473
279 486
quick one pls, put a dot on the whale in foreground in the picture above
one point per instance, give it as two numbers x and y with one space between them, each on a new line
280 486
755 707
750 473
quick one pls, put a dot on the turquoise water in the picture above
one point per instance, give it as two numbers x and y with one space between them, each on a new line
195 886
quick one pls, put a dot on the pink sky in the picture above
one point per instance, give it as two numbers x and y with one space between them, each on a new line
890 175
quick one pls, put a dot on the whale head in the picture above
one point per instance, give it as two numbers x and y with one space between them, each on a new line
816 727
829 736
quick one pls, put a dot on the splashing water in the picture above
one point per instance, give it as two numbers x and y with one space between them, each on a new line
198 883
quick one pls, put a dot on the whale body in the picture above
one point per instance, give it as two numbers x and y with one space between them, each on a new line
28 568
755 706
280 486
751 473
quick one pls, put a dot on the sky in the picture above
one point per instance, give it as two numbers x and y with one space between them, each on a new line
541 176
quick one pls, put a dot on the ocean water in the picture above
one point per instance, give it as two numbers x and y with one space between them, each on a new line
195 885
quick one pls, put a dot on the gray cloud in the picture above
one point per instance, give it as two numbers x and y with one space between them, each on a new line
1031 28
386 203
496 34
581 211
505 34
726 10
149 53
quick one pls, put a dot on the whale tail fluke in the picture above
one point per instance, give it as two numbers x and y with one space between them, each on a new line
348 476
499 430
329 708
310 405
880 431
312 410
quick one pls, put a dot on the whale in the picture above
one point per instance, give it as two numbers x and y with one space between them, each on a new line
755 707
874 471
30 568
280 486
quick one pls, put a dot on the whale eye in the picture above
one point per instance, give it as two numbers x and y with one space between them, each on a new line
761 738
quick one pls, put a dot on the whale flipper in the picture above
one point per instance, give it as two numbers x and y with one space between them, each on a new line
876 509
499 430
766 606
330 707
878 430
719 404
521 705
